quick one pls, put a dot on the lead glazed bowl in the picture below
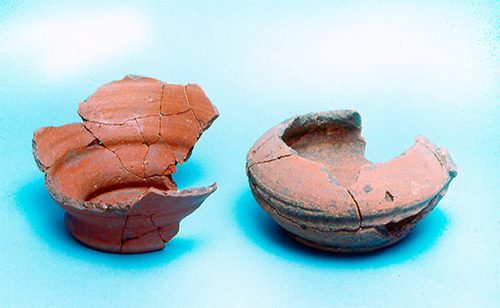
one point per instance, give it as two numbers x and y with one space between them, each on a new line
112 173
310 175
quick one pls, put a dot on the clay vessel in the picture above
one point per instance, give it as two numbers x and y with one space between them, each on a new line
112 173
310 175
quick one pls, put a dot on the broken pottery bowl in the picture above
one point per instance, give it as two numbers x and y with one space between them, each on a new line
310 175
112 173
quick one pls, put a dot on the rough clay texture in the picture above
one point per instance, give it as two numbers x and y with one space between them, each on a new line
310 174
112 172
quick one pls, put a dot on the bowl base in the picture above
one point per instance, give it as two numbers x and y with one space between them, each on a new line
341 250
113 234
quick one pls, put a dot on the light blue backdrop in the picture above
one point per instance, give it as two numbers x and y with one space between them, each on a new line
420 68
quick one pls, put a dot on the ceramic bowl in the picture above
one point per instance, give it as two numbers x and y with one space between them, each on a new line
112 173
309 173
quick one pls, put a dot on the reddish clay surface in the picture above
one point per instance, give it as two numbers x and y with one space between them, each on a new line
112 173
310 174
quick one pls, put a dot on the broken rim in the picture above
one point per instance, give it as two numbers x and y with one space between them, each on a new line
310 174
112 173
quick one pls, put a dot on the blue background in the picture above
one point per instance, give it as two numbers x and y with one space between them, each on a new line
424 67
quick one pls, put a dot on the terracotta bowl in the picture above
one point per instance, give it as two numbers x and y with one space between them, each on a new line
310 175
112 173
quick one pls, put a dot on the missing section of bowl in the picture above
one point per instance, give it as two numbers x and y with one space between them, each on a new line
336 143
104 170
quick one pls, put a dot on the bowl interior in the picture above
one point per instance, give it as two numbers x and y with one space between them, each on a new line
123 193
96 174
